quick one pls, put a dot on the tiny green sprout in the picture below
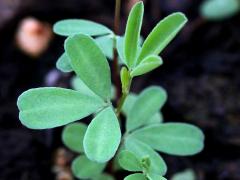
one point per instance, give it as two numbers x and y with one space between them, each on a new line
125 80
146 164
217 10
103 142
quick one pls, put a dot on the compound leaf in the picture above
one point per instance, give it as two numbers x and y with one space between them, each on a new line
148 64
63 64
72 136
132 34
142 150
172 138
136 176
148 103
50 107
90 64
103 136
162 34
129 161
71 27
83 168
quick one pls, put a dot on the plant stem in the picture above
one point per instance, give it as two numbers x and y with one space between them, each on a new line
120 99
120 103
115 61
117 16
115 54
123 98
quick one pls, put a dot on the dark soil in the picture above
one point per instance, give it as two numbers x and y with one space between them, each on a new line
200 73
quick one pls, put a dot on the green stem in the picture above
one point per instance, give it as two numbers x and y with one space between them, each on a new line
123 98
120 103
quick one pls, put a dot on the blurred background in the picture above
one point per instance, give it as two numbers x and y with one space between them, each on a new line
201 74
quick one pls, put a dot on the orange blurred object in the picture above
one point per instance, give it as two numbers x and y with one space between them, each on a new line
33 36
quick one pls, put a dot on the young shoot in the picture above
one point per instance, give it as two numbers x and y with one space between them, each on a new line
88 46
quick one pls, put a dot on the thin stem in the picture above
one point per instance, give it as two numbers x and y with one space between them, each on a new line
116 78
120 103
117 16
115 54
120 99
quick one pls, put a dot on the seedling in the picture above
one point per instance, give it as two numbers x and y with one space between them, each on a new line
136 150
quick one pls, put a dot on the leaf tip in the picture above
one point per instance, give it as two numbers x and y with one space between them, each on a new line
182 16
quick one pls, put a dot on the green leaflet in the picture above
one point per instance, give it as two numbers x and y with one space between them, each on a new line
136 176
71 27
104 176
90 64
120 43
116 165
44 108
63 63
79 85
72 136
128 104
153 176
148 103
103 136
156 118
162 34
106 45
148 64
188 174
83 168
142 150
132 34
219 9
129 161
172 138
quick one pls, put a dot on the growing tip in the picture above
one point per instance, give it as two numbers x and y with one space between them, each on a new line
180 15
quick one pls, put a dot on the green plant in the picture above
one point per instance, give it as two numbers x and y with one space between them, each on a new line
102 139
